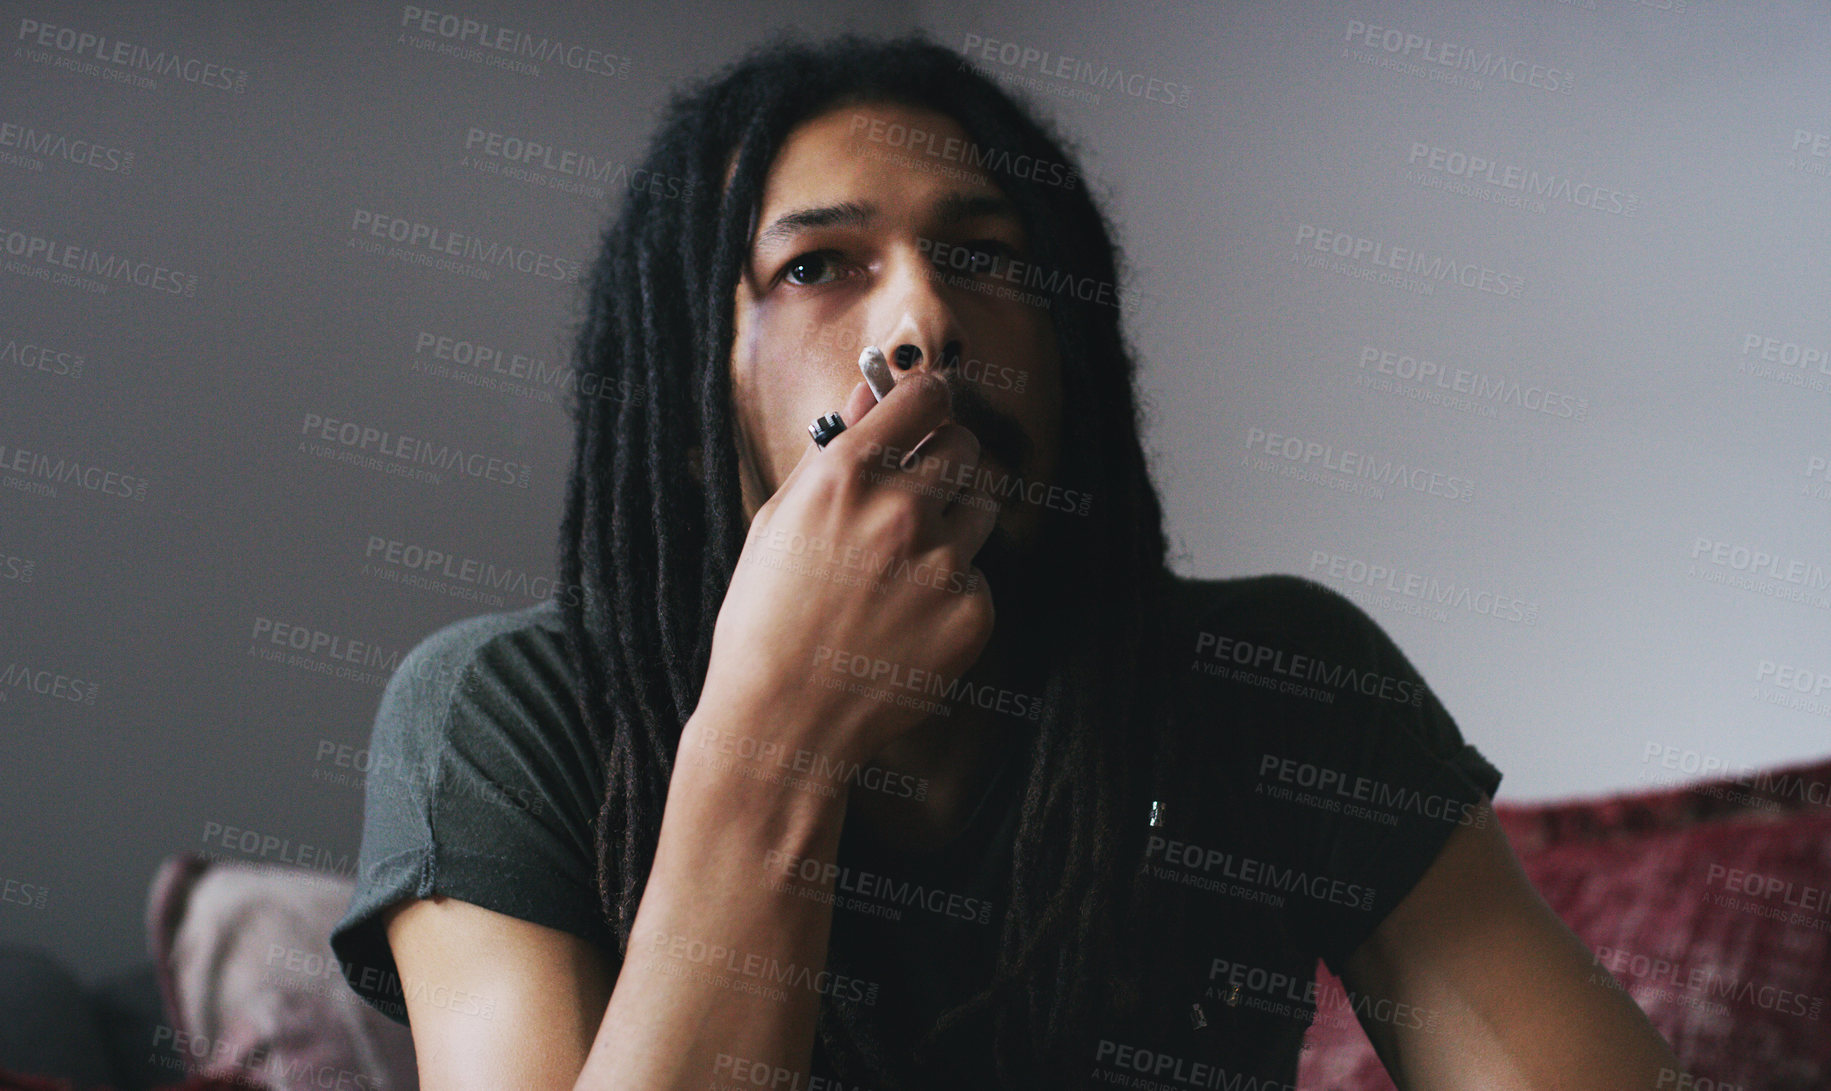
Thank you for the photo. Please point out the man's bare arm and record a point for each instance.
(722, 970)
(1510, 998)
(495, 1001)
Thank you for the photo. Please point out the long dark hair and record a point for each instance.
(652, 540)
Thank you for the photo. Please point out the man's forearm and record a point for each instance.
(723, 971)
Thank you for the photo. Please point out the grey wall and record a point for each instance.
(1677, 333)
(160, 602)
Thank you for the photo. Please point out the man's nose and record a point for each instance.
(923, 331)
(909, 354)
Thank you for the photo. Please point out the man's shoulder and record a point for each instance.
(1267, 603)
(494, 655)
(1306, 648)
(539, 626)
(482, 783)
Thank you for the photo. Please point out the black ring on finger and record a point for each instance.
(824, 428)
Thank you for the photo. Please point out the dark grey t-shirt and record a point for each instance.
(1320, 779)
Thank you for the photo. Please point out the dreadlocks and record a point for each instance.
(654, 525)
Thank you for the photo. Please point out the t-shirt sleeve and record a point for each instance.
(481, 786)
(1352, 771)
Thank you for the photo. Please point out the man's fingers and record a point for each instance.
(971, 515)
(943, 475)
(948, 455)
(858, 403)
(919, 404)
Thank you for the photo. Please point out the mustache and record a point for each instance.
(998, 433)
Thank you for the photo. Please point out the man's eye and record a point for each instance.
(811, 269)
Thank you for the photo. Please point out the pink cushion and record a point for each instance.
(1711, 904)
(251, 988)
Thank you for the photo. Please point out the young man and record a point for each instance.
(903, 760)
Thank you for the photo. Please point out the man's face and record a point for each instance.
(845, 254)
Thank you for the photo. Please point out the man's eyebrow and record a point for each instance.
(843, 214)
(966, 206)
